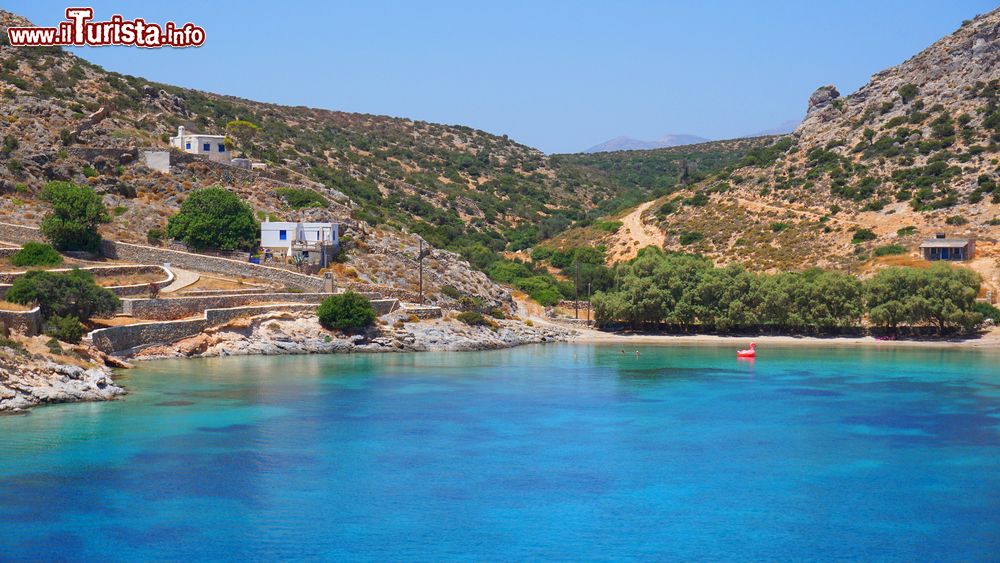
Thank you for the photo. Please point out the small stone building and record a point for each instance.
(943, 248)
(212, 146)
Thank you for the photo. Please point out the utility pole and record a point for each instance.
(588, 304)
(576, 292)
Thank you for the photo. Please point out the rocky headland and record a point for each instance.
(28, 380)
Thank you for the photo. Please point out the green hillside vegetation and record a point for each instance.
(637, 176)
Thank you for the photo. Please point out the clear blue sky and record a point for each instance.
(557, 75)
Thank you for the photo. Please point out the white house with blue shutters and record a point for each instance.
(307, 243)
(212, 146)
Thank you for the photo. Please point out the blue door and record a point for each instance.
(944, 254)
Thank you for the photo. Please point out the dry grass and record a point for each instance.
(215, 283)
(8, 306)
(133, 279)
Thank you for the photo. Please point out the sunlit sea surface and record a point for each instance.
(565, 452)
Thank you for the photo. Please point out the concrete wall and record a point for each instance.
(26, 322)
(157, 160)
(213, 264)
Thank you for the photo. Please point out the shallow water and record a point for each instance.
(543, 452)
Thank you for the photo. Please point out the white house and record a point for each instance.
(311, 243)
(212, 146)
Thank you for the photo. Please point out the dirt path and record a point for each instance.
(760, 206)
(634, 235)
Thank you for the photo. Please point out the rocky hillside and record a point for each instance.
(390, 179)
(914, 151)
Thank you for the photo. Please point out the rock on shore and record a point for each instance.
(298, 333)
(27, 381)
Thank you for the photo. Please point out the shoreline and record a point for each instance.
(987, 341)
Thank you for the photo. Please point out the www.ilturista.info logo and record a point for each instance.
(78, 30)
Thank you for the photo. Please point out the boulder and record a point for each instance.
(822, 97)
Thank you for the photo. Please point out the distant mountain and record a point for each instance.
(630, 144)
(782, 128)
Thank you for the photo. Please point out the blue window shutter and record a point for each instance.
(222, 147)
(188, 146)
(283, 234)
(207, 147)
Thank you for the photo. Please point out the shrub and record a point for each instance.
(214, 218)
(298, 198)
(987, 311)
(54, 346)
(346, 311)
(907, 92)
(608, 226)
(778, 227)
(889, 250)
(473, 318)
(862, 235)
(67, 329)
(691, 237)
(956, 220)
(907, 231)
(450, 291)
(36, 254)
(76, 213)
(155, 236)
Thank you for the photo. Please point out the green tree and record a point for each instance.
(76, 213)
(346, 311)
(946, 298)
(240, 134)
(61, 296)
(889, 297)
(214, 218)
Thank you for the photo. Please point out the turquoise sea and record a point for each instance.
(557, 452)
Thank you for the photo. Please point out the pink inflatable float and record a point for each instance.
(750, 353)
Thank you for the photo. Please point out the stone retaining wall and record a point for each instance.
(131, 338)
(423, 312)
(198, 262)
(26, 322)
(8, 252)
(180, 307)
(219, 292)
(19, 233)
(569, 304)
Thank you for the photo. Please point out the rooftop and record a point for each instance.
(944, 243)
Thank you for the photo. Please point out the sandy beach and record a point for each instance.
(986, 341)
